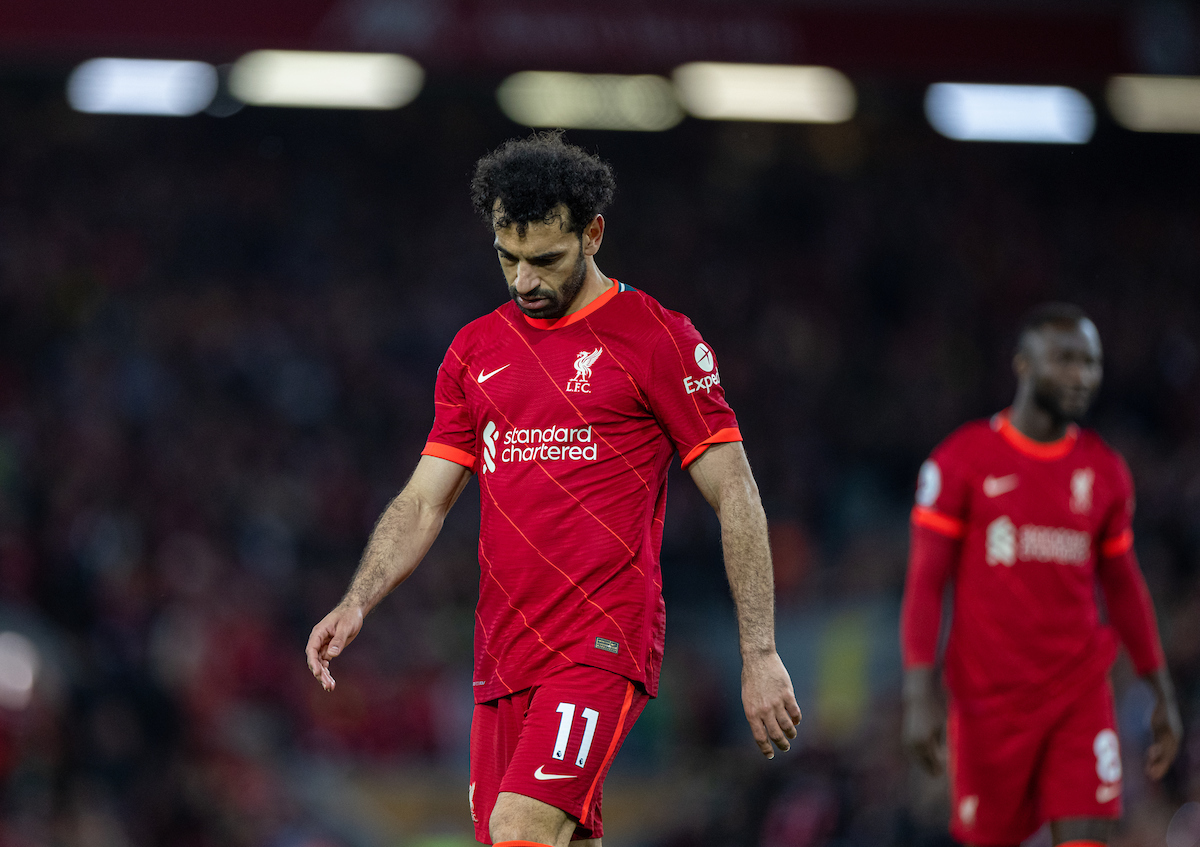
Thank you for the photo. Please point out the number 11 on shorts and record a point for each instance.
(590, 718)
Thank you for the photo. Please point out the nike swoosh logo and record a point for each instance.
(994, 486)
(539, 774)
(485, 377)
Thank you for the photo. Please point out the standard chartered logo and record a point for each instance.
(1005, 544)
(1001, 542)
(489, 447)
(537, 444)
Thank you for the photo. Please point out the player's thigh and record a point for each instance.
(1081, 771)
(993, 765)
(576, 722)
(496, 728)
(520, 818)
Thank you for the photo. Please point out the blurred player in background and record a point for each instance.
(1023, 514)
(569, 402)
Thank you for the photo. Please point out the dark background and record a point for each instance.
(218, 340)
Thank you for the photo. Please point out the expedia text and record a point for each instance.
(704, 384)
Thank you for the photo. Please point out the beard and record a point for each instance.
(557, 301)
(1060, 409)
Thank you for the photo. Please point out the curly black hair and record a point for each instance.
(532, 176)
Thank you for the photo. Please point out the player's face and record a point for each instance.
(545, 267)
(1065, 365)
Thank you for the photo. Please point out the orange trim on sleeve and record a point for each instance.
(451, 454)
(722, 436)
(1118, 545)
(567, 320)
(939, 523)
(608, 756)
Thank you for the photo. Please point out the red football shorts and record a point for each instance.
(553, 742)
(1012, 770)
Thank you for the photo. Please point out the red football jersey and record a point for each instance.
(570, 425)
(1036, 526)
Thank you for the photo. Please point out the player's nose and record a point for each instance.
(527, 280)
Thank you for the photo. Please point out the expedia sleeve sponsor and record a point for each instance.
(705, 384)
(699, 414)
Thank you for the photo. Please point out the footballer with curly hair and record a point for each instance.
(568, 402)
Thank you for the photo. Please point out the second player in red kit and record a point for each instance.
(1024, 514)
(568, 404)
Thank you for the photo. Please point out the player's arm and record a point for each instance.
(930, 557)
(935, 543)
(1131, 613)
(401, 538)
(724, 478)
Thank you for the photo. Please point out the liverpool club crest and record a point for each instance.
(583, 371)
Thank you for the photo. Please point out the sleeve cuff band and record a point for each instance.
(452, 454)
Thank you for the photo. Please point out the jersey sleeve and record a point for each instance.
(943, 491)
(938, 526)
(931, 557)
(683, 390)
(1116, 534)
(1130, 609)
(453, 433)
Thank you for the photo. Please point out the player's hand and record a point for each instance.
(923, 732)
(1167, 727)
(329, 638)
(770, 702)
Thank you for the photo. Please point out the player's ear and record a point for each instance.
(592, 235)
(1020, 363)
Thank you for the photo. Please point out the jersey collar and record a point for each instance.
(1022, 443)
(574, 317)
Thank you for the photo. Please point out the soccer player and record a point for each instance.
(568, 402)
(1024, 514)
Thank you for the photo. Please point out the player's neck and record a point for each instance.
(1036, 423)
(594, 284)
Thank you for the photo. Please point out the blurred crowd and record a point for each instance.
(218, 342)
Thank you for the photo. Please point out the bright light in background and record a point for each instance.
(141, 87)
(721, 91)
(589, 101)
(326, 80)
(1156, 103)
(1046, 114)
(18, 670)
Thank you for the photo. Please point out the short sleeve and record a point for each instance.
(943, 491)
(683, 389)
(453, 434)
(1116, 535)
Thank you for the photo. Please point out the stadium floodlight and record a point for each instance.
(326, 80)
(1041, 114)
(641, 102)
(792, 93)
(141, 87)
(1155, 103)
